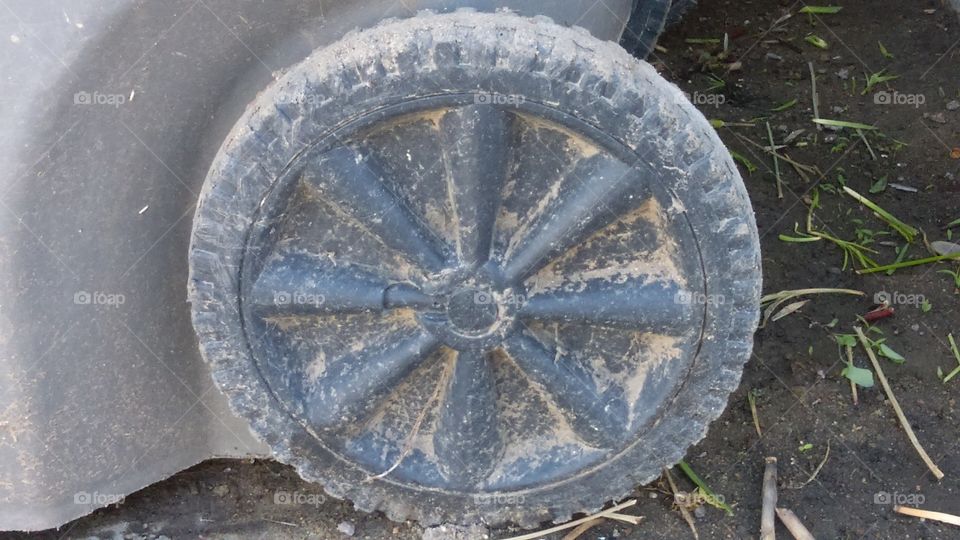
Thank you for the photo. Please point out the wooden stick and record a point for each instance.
(633, 520)
(896, 406)
(926, 514)
(794, 525)
(584, 527)
(572, 524)
(767, 515)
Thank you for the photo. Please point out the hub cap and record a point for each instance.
(471, 296)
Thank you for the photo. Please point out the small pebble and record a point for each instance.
(346, 528)
(915, 327)
(700, 512)
(844, 73)
(936, 117)
(221, 490)
(953, 105)
(774, 56)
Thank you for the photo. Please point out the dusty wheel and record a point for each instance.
(647, 21)
(679, 8)
(475, 267)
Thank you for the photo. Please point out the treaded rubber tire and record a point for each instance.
(560, 67)
(647, 21)
(678, 9)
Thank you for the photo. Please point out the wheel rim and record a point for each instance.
(500, 346)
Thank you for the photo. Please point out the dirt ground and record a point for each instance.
(803, 402)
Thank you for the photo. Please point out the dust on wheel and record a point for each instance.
(475, 267)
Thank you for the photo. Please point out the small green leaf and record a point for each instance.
(859, 376)
(925, 306)
(891, 354)
(816, 41)
(751, 168)
(884, 51)
(879, 186)
(846, 340)
(805, 447)
(821, 10)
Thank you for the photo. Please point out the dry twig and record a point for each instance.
(683, 510)
(582, 528)
(896, 406)
(767, 514)
(793, 524)
(576, 522)
(926, 514)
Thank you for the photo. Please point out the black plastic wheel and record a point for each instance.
(679, 8)
(647, 21)
(475, 267)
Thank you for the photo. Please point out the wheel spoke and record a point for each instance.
(467, 440)
(474, 140)
(354, 384)
(600, 189)
(296, 284)
(597, 418)
(653, 307)
(353, 183)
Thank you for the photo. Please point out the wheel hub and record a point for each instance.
(472, 311)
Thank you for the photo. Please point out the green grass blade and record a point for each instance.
(703, 487)
(907, 264)
(785, 106)
(908, 232)
(821, 10)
